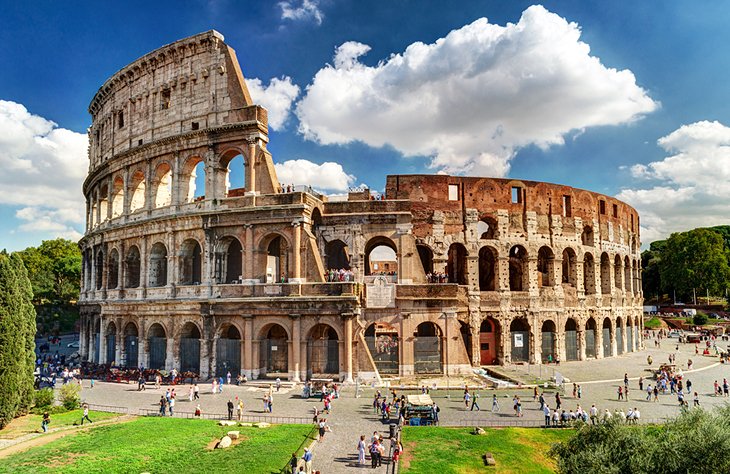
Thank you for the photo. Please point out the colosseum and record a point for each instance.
(183, 267)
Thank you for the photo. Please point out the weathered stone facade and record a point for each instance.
(488, 270)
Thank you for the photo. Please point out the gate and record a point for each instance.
(606, 342)
(111, 349)
(228, 357)
(274, 356)
(427, 355)
(619, 340)
(324, 356)
(384, 351)
(629, 339)
(548, 346)
(571, 345)
(97, 347)
(158, 352)
(130, 351)
(590, 343)
(520, 346)
(189, 355)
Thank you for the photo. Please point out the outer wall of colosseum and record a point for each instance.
(182, 269)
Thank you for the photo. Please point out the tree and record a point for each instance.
(55, 270)
(17, 339)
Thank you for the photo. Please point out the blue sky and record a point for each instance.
(624, 98)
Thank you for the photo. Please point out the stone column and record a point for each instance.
(248, 346)
(296, 321)
(347, 318)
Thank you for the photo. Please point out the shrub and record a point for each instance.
(70, 396)
(699, 319)
(44, 397)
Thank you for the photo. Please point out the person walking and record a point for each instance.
(230, 409)
(361, 446)
(46, 421)
(86, 414)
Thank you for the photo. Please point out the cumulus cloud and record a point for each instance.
(43, 169)
(277, 98)
(690, 187)
(328, 176)
(301, 10)
(470, 100)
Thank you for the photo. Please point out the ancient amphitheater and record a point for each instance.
(184, 269)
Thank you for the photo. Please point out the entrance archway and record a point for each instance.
(228, 351)
(274, 352)
(190, 348)
(323, 351)
(157, 346)
(549, 341)
(427, 349)
(488, 337)
(520, 336)
(382, 341)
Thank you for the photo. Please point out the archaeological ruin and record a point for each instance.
(184, 267)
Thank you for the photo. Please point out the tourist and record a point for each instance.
(47, 420)
(307, 458)
(361, 450)
(86, 414)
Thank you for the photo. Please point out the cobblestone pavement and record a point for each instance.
(352, 417)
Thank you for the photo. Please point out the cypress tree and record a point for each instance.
(17, 339)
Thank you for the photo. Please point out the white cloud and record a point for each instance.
(305, 10)
(328, 176)
(471, 99)
(691, 186)
(43, 169)
(277, 98)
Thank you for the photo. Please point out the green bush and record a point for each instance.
(44, 397)
(70, 396)
(699, 319)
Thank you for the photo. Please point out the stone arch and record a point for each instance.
(111, 343)
(99, 267)
(545, 267)
(157, 346)
(488, 269)
(132, 262)
(607, 330)
(338, 255)
(589, 274)
(487, 228)
(518, 269)
(456, 264)
(605, 274)
(570, 267)
(192, 175)
(275, 249)
(591, 339)
(519, 330)
(157, 273)
(587, 237)
(490, 333)
(229, 260)
(549, 341)
(323, 354)
(137, 186)
(117, 196)
(274, 346)
(425, 254)
(571, 339)
(190, 336)
(427, 349)
(228, 350)
(162, 185)
(381, 256)
(131, 345)
(112, 277)
(191, 262)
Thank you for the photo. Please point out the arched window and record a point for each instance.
(190, 263)
(158, 265)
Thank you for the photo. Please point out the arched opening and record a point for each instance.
(99, 269)
(133, 267)
(111, 343)
(162, 186)
(571, 339)
(518, 275)
(629, 335)
(190, 262)
(382, 342)
(381, 257)
(587, 236)
(487, 269)
(112, 277)
(617, 272)
(487, 228)
(570, 269)
(338, 255)
(104, 203)
(192, 179)
(456, 264)
(425, 254)
(545, 267)
(607, 330)
(627, 276)
(605, 274)
(228, 351)
(591, 338)
(158, 265)
(277, 260)
(235, 176)
(427, 349)
(465, 331)
(619, 336)
(488, 337)
(131, 345)
(229, 261)
(549, 343)
(118, 197)
(190, 348)
(589, 274)
(520, 335)
(138, 187)
(274, 352)
(157, 346)
(323, 351)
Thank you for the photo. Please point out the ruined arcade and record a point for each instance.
(182, 269)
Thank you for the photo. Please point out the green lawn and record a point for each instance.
(457, 451)
(160, 445)
(32, 423)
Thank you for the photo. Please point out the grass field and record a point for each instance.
(161, 445)
(457, 451)
(32, 423)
